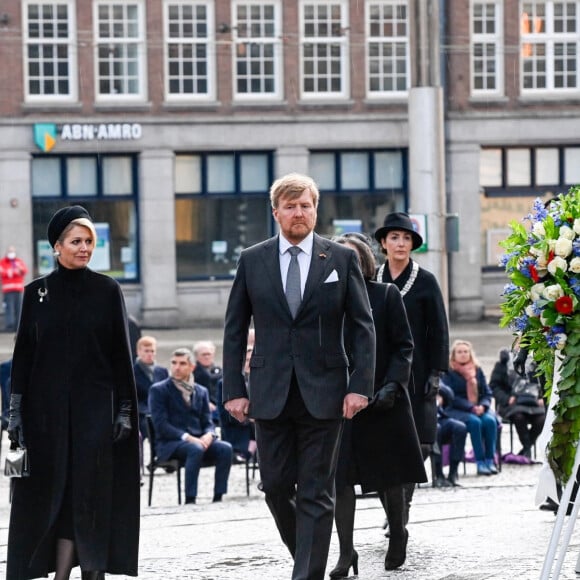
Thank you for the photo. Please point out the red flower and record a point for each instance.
(564, 305)
(534, 273)
(551, 255)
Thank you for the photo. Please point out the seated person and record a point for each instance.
(184, 428)
(526, 408)
(501, 381)
(207, 373)
(146, 373)
(236, 433)
(449, 432)
(472, 404)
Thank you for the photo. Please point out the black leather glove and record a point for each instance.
(15, 421)
(520, 362)
(122, 427)
(386, 396)
(432, 386)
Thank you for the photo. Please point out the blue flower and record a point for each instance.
(539, 211)
(575, 285)
(520, 323)
(576, 247)
(536, 308)
(509, 288)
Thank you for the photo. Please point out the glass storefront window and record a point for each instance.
(187, 174)
(220, 174)
(96, 183)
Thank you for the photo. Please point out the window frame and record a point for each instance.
(496, 39)
(278, 52)
(140, 43)
(343, 41)
(369, 39)
(210, 43)
(549, 39)
(71, 42)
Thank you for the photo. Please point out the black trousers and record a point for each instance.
(298, 455)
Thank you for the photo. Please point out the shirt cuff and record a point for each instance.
(184, 436)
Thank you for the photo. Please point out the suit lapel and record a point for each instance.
(320, 266)
(272, 262)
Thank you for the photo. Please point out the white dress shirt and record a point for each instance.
(304, 259)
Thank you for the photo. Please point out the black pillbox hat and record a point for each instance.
(62, 218)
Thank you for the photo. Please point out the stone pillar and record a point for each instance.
(157, 217)
(466, 300)
(16, 205)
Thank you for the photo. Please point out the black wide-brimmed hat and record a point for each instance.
(399, 221)
(62, 218)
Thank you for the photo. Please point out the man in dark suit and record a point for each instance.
(298, 288)
(184, 429)
(146, 373)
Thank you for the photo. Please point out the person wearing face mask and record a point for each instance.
(73, 405)
(12, 272)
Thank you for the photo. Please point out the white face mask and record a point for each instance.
(11, 255)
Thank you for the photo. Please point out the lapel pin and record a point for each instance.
(323, 256)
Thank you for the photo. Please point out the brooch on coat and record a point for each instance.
(42, 292)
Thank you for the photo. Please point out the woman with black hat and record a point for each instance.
(427, 319)
(73, 406)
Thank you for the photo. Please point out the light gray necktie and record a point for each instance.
(293, 294)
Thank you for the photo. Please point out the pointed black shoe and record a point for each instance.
(340, 571)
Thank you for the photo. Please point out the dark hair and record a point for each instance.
(359, 236)
(364, 253)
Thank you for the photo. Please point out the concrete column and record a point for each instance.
(427, 176)
(157, 217)
(466, 300)
(15, 205)
(291, 159)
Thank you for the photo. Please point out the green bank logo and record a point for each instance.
(45, 136)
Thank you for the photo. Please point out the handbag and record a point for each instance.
(17, 463)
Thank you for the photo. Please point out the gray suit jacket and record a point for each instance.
(311, 344)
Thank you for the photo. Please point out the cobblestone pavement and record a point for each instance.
(487, 529)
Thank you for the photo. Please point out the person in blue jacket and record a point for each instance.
(184, 428)
(472, 404)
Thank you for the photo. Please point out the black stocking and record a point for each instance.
(344, 518)
(65, 558)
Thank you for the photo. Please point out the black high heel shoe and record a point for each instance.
(342, 572)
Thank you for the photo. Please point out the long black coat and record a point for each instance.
(428, 322)
(72, 363)
(381, 448)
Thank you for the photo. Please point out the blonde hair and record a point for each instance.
(459, 342)
(84, 222)
(147, 341)
(292, 186)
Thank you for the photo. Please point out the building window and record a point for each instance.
(529, 171)
(257, 49)
(358, 188)
(120, 50)
(486, 47)
(189, 50)
(324, 49)
(107, 186)
(221, 207)
(549, 46)
(387, 23)
(49, 50)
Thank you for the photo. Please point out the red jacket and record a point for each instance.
(12, 274)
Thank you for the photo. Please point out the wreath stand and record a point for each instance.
(550, 560)
(552, 565)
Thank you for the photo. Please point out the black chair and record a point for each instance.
(251, 465)
(170, 465)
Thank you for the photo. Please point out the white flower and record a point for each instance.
(538, 229)
(536, 291)
(577, 226)
(567, 232)
(542, 262)
(575, 265)
(556, 263)
(563, 247)
(551, 245)
(561, 339)
(554, 291)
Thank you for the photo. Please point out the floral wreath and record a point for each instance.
(541, 304)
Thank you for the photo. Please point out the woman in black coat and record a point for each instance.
(380, 449)
(73, 405)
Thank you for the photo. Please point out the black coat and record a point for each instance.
(385, 448)
(72, 364)
(428, 322)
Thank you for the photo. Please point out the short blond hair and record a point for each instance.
(292, 186)
(145, 341)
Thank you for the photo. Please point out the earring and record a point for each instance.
(56, 254)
